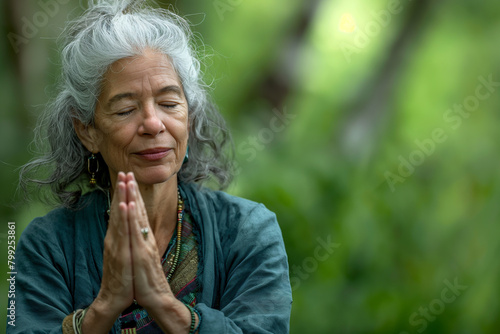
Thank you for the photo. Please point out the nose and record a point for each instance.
(151, 124)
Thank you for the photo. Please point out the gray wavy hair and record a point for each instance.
(106, 32)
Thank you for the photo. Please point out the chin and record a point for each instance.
(155, 176)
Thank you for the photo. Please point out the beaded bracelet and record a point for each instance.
(193, 319)
(78, 320)
(193, 311)
(199, 320)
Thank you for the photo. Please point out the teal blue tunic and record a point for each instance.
(245, 286)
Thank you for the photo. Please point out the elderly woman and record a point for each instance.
(138, 245)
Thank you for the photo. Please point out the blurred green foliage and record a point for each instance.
(357, 163)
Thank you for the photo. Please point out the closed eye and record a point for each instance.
(169, 105)
(125, 112)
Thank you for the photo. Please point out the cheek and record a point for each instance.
(115, 140)
(179, 130)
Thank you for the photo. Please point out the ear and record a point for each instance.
(87, 135)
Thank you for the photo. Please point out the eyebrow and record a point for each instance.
(171, 89)
(167, 89)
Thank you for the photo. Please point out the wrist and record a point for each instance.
(162, 304)
(99, 318)
(104, 308)
(172, 315)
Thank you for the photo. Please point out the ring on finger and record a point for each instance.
(145, 232)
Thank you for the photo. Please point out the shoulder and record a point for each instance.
(233, 216)
(59, 224)
(225, 206)
(57, 221)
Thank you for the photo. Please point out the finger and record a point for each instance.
(144, 251)
(117, 261)
(140, 217)
(131, 192)
(141, 207)
(134, 228)
(137, 248)
(122, 178)
(118, 230)
(130, 177)
(123, 229)
(130, 181)
(118, 226)
(119, 194)
(122, 192)
(136, 236)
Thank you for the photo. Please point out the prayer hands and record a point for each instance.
(131, 263)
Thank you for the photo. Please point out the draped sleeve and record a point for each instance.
(43, 294)
(246, 286)
(59, 266)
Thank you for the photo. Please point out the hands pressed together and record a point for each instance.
(132, 268)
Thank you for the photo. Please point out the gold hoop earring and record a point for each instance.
(92, 168)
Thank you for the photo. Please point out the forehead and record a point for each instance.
(148, 70)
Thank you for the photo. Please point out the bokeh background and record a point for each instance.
(369, 127)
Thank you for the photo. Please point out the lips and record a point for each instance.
(153, 153)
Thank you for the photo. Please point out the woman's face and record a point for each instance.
(141, 120)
